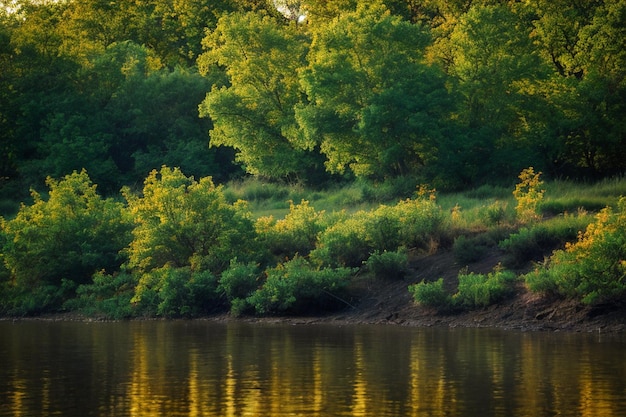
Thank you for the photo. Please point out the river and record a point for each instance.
(203, 368)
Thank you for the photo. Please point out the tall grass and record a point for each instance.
(470, 211)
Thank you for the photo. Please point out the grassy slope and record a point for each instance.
(486, 214)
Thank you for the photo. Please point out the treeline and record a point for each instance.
(450, 92)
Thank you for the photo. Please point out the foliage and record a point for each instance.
(67, 237)
(421, 220)
(254, 111)
(343, 243)
(528, 194)
(431, 295)
(593, 268)
(480, 290)
(489, 56)
(382, 229)
(374, 103)
(388, 264)
(182, 222)
(534, 242)
(109, 296)
(295, 234)
(378, 95)
(412, 223)
(237, 283)
(296, 286)
(176, 292)
(474, 291)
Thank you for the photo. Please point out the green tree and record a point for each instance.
(181, 222)
(494, 68)
(375, 106)
(66, 238)
(185, 232)
(254, 112)
(584, 43)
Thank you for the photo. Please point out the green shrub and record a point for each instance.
(382, 229)
(239, 281)
(181, 222)
(108, 296)
(177, 292)
(388, 265)
(69, 236)
(344, 243)
(431, 294)
(295, 234)
(495, 213)
(543, 280)
(20, 301)
(421, 221)
(534, 242)
(480, 290)
(412, 223)
(593, 269)
(296, 287)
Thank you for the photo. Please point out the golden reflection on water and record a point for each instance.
(360, 395)
(195, 369)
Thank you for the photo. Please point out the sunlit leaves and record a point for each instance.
(254, 113)
(528, 194)
(69, 235)
(591, 269)
(374, 104)
(181, 222)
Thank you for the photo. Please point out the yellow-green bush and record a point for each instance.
(482, 290)
(388, 264)
(295, 234)
(593, 269)
(64, 238)
(343, 243)
(431, 294)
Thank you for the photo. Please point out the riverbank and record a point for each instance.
(388, 302)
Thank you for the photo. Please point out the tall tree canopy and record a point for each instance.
(375, 105)
(452, 90)
(254, 111)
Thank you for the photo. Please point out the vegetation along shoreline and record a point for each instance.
(431, 162)
(514, 260)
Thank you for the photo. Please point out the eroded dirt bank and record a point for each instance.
(388, 302)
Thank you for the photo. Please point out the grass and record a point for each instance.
(273, 199)
(475, 209)
(476, 221)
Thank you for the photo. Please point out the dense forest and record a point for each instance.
(455, 92)
(450, 93)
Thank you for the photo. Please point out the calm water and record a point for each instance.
(185, 368)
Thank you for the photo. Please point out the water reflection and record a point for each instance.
(206, 369)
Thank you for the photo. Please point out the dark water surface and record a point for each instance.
(199, 368)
